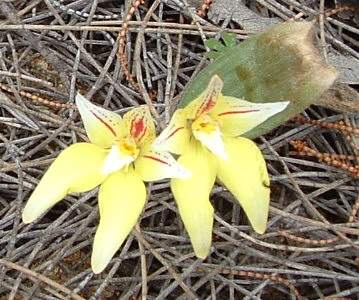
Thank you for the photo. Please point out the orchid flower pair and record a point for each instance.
(124, 152)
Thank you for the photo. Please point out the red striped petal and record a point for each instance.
(139, 125)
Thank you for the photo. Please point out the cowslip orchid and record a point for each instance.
(119, 158)
(206, 135)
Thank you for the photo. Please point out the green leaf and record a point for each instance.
(217, 48)
(280, 64)
(214, 45)
(213, 54)
(229, 39)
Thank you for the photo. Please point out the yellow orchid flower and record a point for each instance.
(206, 135)
(119, 158)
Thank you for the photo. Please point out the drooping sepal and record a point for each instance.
(245, 175)
(121, 199)
(192, 197)
(76, 169)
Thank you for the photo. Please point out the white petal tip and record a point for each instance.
(202, 254)
(99, 262)
(260, 230)
(216, 82)
(280, 106)
(97, 269)
(28, 217)
(285, 104)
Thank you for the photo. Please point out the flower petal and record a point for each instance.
(238, 116)
(245, 176)
(153, 165)
(210, 138)
(175, 137)
(139, 125)
(207, 100)
(116, 160)
(121, 199)
(102, 126)
(76, 169)
(192, 197)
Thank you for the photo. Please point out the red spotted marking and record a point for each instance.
(104, 123)
(237, 112)
(209, 102)
(174, 132)
(157, 159)
(138, 128)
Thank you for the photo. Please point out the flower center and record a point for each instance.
(122, 153)
(128, 147)
(207, 131)
(205, 124)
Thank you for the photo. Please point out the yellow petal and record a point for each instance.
(237, 116)
(121, 200)
(245, 176)
(192, 197)
(139, 125)
(175, 137)
(121, 155)
(153, 165)
(208, 133)
(102, 126)
(76, 169)
(206, 101)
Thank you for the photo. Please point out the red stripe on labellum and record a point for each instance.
(209, 102)
(174, 132)
(104, 123)
(143, 134)
(237, 112)
(206, 106)
(138, 128)
(157, 159)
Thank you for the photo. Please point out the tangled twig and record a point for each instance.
(327, 13)
(202, 11)
(37, 99)
(340, 126)
(257, 275)
(334, 160)
(122, 36)
(36, 276)
(302, 240)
